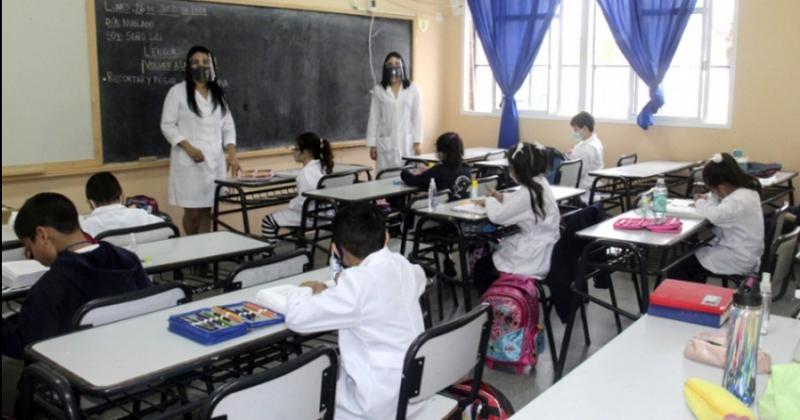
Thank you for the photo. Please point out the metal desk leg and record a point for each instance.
(465, 274)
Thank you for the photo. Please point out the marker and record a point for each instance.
(219, 310)
(260, 310)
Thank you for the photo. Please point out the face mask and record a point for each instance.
(201, 74)
(577, 136)
(396, 73)
(340, 257)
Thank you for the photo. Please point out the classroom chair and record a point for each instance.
(695, 177)
(139, 234)
(568, 173)
(595, 257)
(303, 388)
(318, 215)
(487, 184)
(269, 269)
(781, 259)
(500, 154)
(442, 356)
(110, 309)
(629, 159)
(391, 172)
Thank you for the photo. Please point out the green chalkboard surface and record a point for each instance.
(284, 71)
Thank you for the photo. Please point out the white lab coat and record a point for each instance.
(738, 229)
(528, 252)
(116, 216)
(375, 307)
(395, 124)
(191, 185)
(306, 180)
(590, 151)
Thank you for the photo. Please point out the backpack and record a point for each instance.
(148, 204)
(491, 404)
(515, 336)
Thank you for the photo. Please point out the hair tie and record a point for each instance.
(717, 158)
(538, 145)
(517, 150)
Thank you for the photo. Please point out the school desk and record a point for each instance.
(778, 186)
(467, 230)
(139, 355)
(185, 251)
(471, 154)
(641, 372)
(10, 239)
(256, 194)
(609, 180)
(669, 245)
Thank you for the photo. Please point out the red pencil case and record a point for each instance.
(670, 224)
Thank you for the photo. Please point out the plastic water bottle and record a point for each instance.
(473, 190)
(660, 201)
(645, 203)
(432, 198)
(743, 334)
(766, 299)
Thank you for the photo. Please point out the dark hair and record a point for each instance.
(386, 79)
(583, 119)
(528, 163)
(728, 172)
(319, 148)
(359, 228)
(46, 210)
(217, 93)
(450, 145)
(103, 188)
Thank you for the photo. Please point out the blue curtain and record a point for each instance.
(511, 32)
(648, 33)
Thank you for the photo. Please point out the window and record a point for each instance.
(580, 67)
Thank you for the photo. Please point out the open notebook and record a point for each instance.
(275, 297)
(681, 207)
(470, 207)
(23, 273)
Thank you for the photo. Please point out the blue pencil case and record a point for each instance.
(205, 327)
(255, 315)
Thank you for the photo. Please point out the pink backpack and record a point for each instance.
(515, 323)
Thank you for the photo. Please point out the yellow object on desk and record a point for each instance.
(709, 401)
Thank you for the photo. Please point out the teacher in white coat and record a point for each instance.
(394, 129)
(196, 120)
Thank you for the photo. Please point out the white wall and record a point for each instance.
(46, 96)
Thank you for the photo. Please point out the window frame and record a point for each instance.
(584, 69)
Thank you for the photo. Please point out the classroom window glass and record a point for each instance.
(579, 67)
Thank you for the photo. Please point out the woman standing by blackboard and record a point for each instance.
(197, 122)
(394, 129)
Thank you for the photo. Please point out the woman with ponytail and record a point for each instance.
(315, 153)
(533, 209)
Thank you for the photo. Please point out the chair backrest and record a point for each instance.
(782, 255)
(626, 160)
(303, 388)
(443, 355)
(140, 234)
(127, 305)
(391, 172)
(775, 225)
(337, 179)
(269, 269)
(500, 154)
(568, 173)
(695, 176)
(487, 184)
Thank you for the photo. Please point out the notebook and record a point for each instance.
(697, 303)
(681, 207)
(470, 208)
(275, 297)
(21, 274)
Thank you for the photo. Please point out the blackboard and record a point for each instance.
(284, 71)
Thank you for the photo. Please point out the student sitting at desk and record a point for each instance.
(589, 149)
(734, 208)
(375, 307)
(105, 197)
(533, 209)
(447, 174)
(47, 225)
(316, 155)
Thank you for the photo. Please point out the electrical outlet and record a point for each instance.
(372, 5)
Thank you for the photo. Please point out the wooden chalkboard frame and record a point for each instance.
(87, 166)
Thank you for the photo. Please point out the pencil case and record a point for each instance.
(670, 224)
(205, 327)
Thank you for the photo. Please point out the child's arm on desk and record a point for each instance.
(331, 309)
